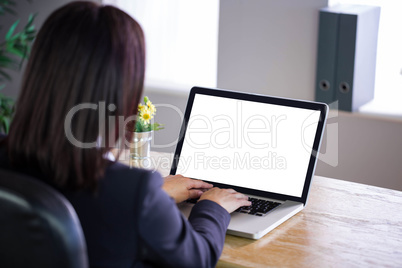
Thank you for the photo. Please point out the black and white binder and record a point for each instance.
(346, 67)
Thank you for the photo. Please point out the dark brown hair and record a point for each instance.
(84, 54)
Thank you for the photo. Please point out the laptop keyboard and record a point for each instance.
(259, 207)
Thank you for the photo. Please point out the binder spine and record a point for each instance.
(327, 57)
(345, 68)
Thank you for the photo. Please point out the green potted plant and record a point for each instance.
(14, 49)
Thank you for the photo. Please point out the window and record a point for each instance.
(388, 85)
(181, 40)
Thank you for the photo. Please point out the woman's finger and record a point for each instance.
(194, 194)
(199, 184)
(230, 191)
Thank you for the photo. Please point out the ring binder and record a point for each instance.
(346, 60)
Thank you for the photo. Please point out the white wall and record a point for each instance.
(362, 148)
(269, 46)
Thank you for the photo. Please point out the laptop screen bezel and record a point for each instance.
(313, 106)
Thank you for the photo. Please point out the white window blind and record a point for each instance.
(181, 40)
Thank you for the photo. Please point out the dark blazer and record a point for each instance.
(131, 222)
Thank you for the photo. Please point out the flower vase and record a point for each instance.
(140, 149)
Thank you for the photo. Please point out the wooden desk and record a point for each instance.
(344, 224)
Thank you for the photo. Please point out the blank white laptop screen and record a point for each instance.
(249, 144)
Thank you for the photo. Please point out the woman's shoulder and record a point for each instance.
(122, 176)
(117, 169)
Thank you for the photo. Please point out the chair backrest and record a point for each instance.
(38, 225)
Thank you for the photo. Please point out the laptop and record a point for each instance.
(262, 146)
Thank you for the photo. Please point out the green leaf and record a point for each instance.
(5, 124)
(23, 37)
(19, 46)
(7, 3)
(157, 126)
(4, 10)
(13, 65)
(11, 30)
(30, 29)
(2, 125)
(7, 105)
(6, 112)
(138, 126)
(31, 19)
(12, 39)
(5, 61)
(16, 52)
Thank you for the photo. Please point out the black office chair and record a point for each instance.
(38, 225)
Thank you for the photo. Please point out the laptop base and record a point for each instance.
(251, 226)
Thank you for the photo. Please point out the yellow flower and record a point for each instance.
(151, 107)
(145, 114)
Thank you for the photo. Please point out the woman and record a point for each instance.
(86, 57)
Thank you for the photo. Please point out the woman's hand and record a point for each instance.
(229, 199)
(181, 188)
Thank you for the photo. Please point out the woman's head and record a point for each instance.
(86, 70)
